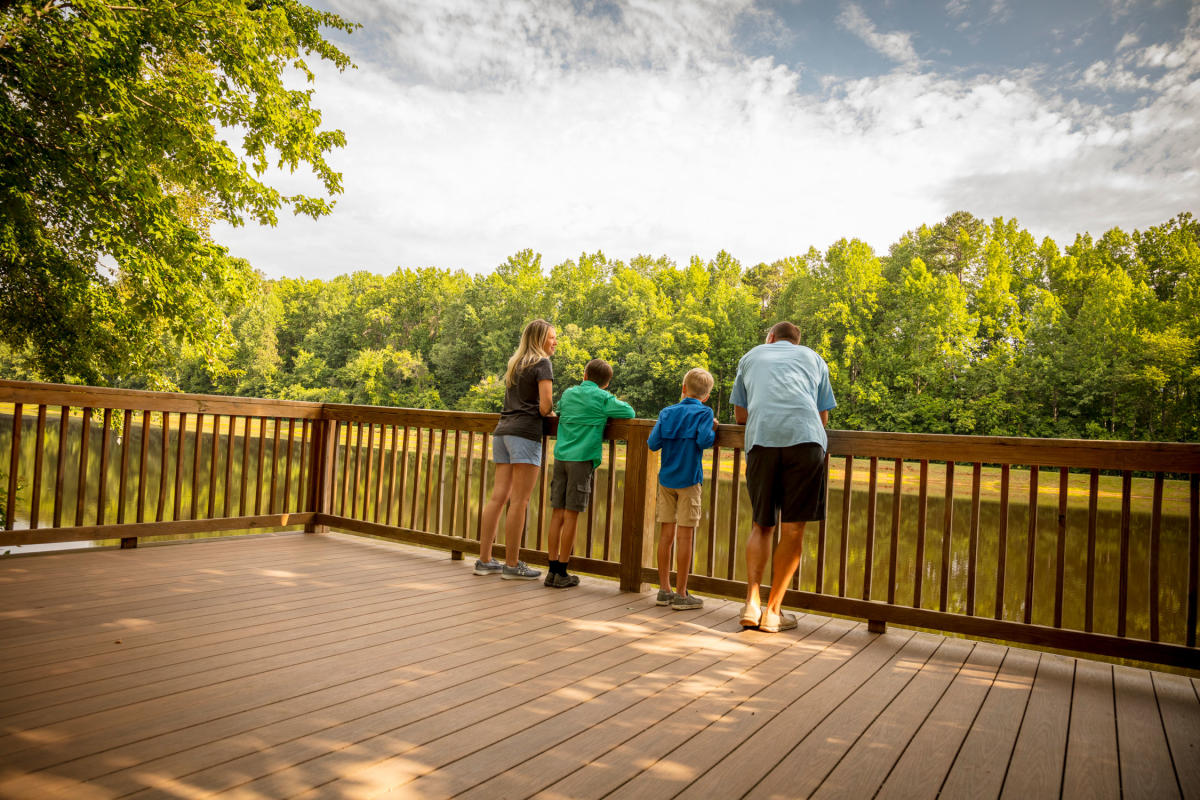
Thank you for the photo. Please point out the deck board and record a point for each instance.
(334, 666)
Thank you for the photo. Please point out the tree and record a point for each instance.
(112, 165)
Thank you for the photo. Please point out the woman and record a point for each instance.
(517, 449)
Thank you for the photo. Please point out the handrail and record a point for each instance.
(125, 464)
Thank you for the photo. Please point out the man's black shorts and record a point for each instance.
(786, 483)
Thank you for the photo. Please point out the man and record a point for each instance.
(783, 397)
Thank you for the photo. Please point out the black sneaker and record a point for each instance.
(562, 581)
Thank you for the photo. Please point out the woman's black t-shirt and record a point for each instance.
(522, 414)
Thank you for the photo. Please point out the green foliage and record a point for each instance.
(112, 166)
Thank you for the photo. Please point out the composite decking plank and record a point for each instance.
(682, 656)
(495, 654)
(866, 765)
(1036, 766)
(981, 762)
(1091, 768)
(669, 775)
(736, 771)
(599, 777)
(930, 752)
(1145, 766)
(332, 665)
(386, 752)
(819, 749)
(1180, 711)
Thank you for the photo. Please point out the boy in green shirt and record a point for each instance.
(583, 411)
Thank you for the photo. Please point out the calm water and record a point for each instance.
(1173, 543)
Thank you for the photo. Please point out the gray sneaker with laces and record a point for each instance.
(665, 596)
(488, 567)
(686, 602)
(521, 572)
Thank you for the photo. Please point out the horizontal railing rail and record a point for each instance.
(1080, 545)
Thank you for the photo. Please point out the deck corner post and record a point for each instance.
(456, 555)
(321, 488)
(637, 518)
(876, 626)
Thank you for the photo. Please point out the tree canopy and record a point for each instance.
(114, 161)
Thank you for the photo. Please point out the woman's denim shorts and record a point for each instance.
(516, 450)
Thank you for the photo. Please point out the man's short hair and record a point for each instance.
(785, 332)
(598, 372)
(698, 382)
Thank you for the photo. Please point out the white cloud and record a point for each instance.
(897, 45)
(690, 147)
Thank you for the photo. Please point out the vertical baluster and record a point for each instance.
(276, 424)
(178, 498)
(1031, 551)
(164, 453)
(919, 557)
(897, 493)
(947, 530)
(227, 506)
(819, 587)
(1123, 586)
(354, 484)
(85, 441)
(126, 426)
(214, 446)
(869, 552)
(591, 519)
(844, 555)
(60, 463)
(143, 454)
(1090, 588)
(483, 471)
(39, 446)
(416, 481)
(1155, 533)
(196, 465)
(713, 494)
(1193, 592)
(973, 541)
(379, 473)
(245, 468)
(611, 498)
(258, 473)
(1002, 541)
(403, 490)
(102, 489)
(441, 482)
(1061, 555)
(466, 495)
(734, 501)
(542, 490)
(14, 467)
(366, 484)
(428, 480)
(303, 478)
(391, 493)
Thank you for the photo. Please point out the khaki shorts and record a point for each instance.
(680, 506)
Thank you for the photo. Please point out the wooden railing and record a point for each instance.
(121, 465)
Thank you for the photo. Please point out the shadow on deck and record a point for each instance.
(298, 665)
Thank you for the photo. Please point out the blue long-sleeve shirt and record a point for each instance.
(682, 432)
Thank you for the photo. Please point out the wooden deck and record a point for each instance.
(326, 665)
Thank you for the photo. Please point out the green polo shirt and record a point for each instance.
(583, 411)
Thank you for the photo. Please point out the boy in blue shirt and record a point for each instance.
(683, 431)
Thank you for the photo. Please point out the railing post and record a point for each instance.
(637, 521)
(321, 485)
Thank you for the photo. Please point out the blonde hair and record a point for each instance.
(698, 383)
(531, 350)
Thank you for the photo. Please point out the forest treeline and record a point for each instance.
(962, 327)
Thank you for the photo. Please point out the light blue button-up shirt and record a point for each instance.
(783, 387)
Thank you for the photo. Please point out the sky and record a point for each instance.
(679, 128)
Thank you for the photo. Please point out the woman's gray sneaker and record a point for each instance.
(521, 572)
(686, 602)
(665, 596)
(488, 567)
